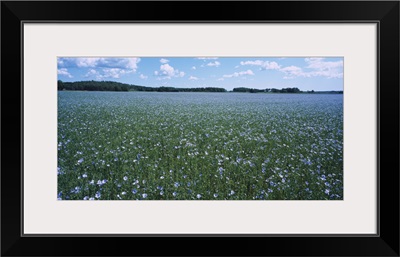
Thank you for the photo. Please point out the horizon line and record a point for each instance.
(328, 90)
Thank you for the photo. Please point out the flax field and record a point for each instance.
(199, 146)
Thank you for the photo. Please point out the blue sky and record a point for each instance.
(312, 73)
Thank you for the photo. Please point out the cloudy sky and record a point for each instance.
(317, 74)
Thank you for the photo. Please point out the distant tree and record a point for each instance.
(60, 85)
(117, 86)
(248, 90)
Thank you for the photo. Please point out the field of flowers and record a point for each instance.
(199, 146)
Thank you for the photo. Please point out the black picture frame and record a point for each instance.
(383, 13)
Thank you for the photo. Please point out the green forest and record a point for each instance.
(117, 86)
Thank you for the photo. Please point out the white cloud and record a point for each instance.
(131, 63)
(106, 73)
(143, 76)
(193, 78)
(91, 72)
(214, 64)
(220, 79)
(167, 72)
(316, 67)
(64, 72)
(128, 64)
(112, 73)
(257, 63)
(238, 74)
(314, 61)
(207, 58)
(194, 67)
(328, 69)
(87, 62)
(271, 66)
(292, 71)
(164, 60)
(264, 65)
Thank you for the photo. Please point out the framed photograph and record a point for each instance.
(256, 128)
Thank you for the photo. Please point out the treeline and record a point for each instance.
(116, 86)
(293, 90)
(267, 90)
(326, 92)
(93, 86)
(176, 89)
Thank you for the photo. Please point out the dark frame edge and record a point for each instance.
(389, 45)
(10, 19)
(22, 126)
(387, 239)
